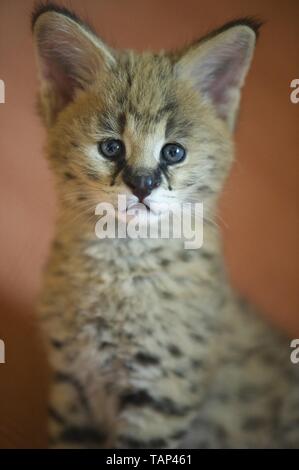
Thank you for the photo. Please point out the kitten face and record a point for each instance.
(153, 127)
(136, 106)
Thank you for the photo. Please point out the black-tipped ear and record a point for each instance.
(218, 64)
(69, 56)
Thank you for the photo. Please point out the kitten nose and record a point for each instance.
(141, 186)
(141, 183)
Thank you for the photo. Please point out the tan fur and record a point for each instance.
(146, 338)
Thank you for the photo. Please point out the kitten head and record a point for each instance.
(154, 127)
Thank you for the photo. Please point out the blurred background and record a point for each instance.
(258, 212)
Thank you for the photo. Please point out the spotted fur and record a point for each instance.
(149, 345)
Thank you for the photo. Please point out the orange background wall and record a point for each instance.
(259, 208)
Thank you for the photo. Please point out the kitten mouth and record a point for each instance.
(148, 210)
(144, 211)
(139, 206)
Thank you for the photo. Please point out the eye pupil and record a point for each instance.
(111, 148)
(173, 153)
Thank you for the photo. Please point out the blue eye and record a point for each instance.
(172, 154)
(112, 148)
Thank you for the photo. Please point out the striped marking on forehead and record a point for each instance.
(147, 119)
(176, 124)
(144, 91)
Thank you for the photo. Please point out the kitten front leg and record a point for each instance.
(158, 408)
(73, 423)
(70, 423)
(86, 413)
(80, 412)
(137, 378)
(137, 407)
(146, 428)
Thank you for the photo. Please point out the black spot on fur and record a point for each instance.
(204, 189)
(122, 122)
(81, 198)
(57, 344)
(57, 244)
(135, 443)
(196, 363)
(206, 254)
(167, 295)
(197, 337)
(254, 423)
(69, 176)
(147, 359)
(92, 176)
(185, 256)
(163, 405)
(129, 79)
(179, 373)
(179, 434)
(55, 415)
(82, 435)
(165, 262)
(62, 377)
(174, 350)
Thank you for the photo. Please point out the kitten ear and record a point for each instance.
(217, 66)
(69, 57)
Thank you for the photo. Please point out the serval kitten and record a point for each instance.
(149, 345)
